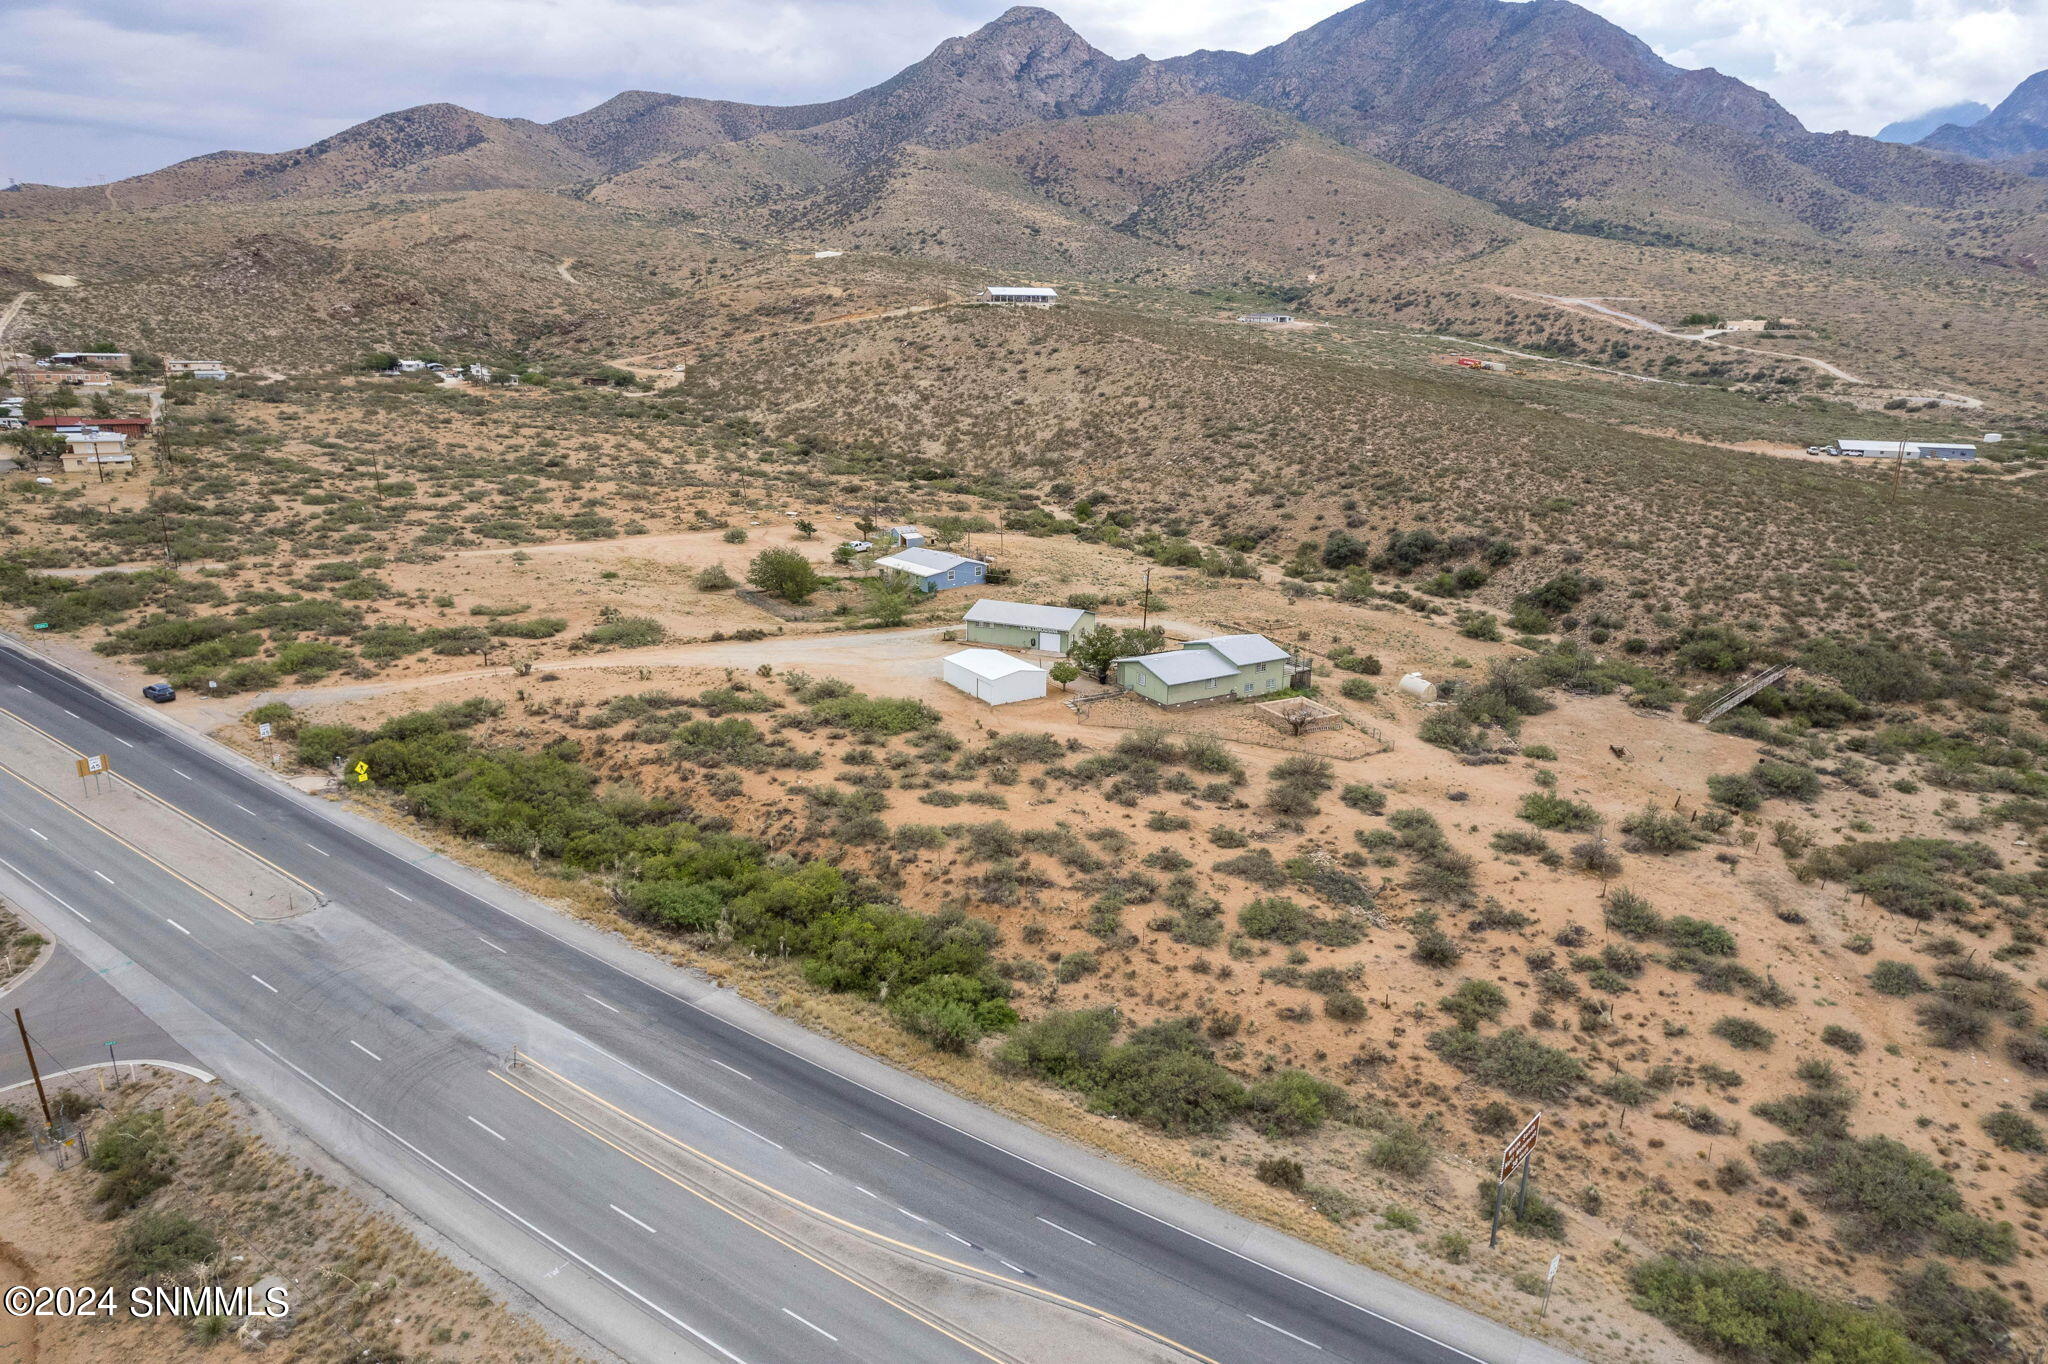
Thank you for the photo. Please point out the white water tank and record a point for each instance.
(1419, 687)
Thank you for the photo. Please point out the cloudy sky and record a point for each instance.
(91, 90)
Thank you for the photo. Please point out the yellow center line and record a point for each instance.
(856, 1227)
(174, 809)
(153, 861)
(758, 1226)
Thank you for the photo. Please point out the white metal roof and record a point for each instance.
(1244, 650)
(1026, 614)
(1895, 447)
(93, 436)
(1023, 291)
(990, 664)
(923, 562)
(1182, 665)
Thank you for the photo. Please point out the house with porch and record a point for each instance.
(1241, 666)
(932, 570)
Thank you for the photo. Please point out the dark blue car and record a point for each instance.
(160, 692)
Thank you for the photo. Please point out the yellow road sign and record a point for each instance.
(362, 771)
(93, 764)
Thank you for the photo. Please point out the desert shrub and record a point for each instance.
(157, 1245)
(1654, 831)
(1510, 1060)
(1744, 1034)
(1790, 780)
(1367, 799)
(1547, 811)
(2029, 1051)
(876, 716)
(1401, 1149)
(1282, 1172)
(1751, 1314)
(1257, 866)
(132, 1155)
(2014, 1131)
(538, 627)
(626, 632)
(1357, 689)
(1697, 935)
(1164, 1076)
(1841, 1038)
(1734, 790)
(714, 578)
(1433, 946)
(1292, 1103)
(1274, 918)
(1537, 1215)
(1344, 1007)
(952, 1012)
(1952, 1024)
(1630, 915)
(1474, 1002)
(1950, 1320)
(1897, 978)
(1448, 729)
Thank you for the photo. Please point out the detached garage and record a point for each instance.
(996, 678)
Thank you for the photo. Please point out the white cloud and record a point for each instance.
(170, 81)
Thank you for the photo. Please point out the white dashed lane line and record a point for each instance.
(40, 834)
(180, 927)
(103, 876)
(493, 946)
(1284, 1331)
(1075, 1234)
(264, 983)
(318, 849)
(400, 894)
(181, 772)
(897, 1149)
(488, 1128)
(600, 1003)
(364, 1050)
(813, 1325)
(630, 1218)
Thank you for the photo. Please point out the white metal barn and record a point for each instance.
(994, 677)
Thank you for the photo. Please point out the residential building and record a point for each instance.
(132, 427)
(90, 450)
(1262, 665)
(1178, 677)
(1209, 670)
(1005, 293)
(1269, 318)
(53, 378)
(996, 678)
(196, 369)
(1745, 324)
(1025, 625)
(932, 570)
(103, 359)
(1907, 449)
(908, 537)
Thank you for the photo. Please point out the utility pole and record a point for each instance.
(1145, 611)
(35, 1072)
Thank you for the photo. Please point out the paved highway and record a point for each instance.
(674, 1172)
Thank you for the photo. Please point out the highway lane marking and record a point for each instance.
(813, 1325)
(40, 834)
(819, 1168)
(493, 946)
(892, 1100)
(856, 1228)
(317, 848)
(897, 1149)
(634, 1220)
(180, 927)
(487, 1127)
(1014, 1269)
(103, 876)
(123, 742)
(1057, 1227)
(734, 1121)
(743, 1218)
(613, 1280)
(869, 1192)
(39, 886)
(400, 894)
(177, 810)
(911, 1215)
(961, 1239)
(734, 1069)
(264, 983)
(365, 1051)
(1284, 1331)
(70, 712)
(153, 861)
(183, 773)
(601, 1004)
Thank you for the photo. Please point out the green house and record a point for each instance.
(1025, 625)
(1242, 666)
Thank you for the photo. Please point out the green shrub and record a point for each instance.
(157, 1245)
(1357, 689)
(1475, 1002)
(1754, 1314)
(1744, 1034)
(1654, 831)
(1275, 918)
(1630, 915)
(1537, 1215)
(1547, 811)
(1841, 1038)
(1367, 799)
(1401, 1149)
(1282, 1172)
(1734, 790)
(1952, 1321)
(539, 627)
(1697, 935)
(627, 632)
(1511, 1060)
(2014, 1131)
(1292, 1103)
(1897, 978)
(132, 1155)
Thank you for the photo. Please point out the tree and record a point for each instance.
(35, 442)
(1094, 650)
(378, 360)
(805, 530)
(1063, 672)
(100, 406)
(784, 573)
(61, 399)
(889, 601)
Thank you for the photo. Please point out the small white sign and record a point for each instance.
(1555, 1261)
(263, 730)
(96, 763)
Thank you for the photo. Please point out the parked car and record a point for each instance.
(160, 692)
(860, 546)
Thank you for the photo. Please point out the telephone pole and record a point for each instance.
(35, 1072)
(1145, 611)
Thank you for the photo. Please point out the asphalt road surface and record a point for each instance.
(674, 1172)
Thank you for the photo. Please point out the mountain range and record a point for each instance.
(1542, 108)
(2016, 130)
(1913, 129)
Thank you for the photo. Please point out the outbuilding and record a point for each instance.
(1006, 293)
(1268, 319)
(996, 678)
(932, 570)
(908, 537)
(1026, 625)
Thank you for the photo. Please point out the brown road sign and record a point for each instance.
(95, 764)
(1518, 1150)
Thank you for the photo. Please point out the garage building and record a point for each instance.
(996, 678)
